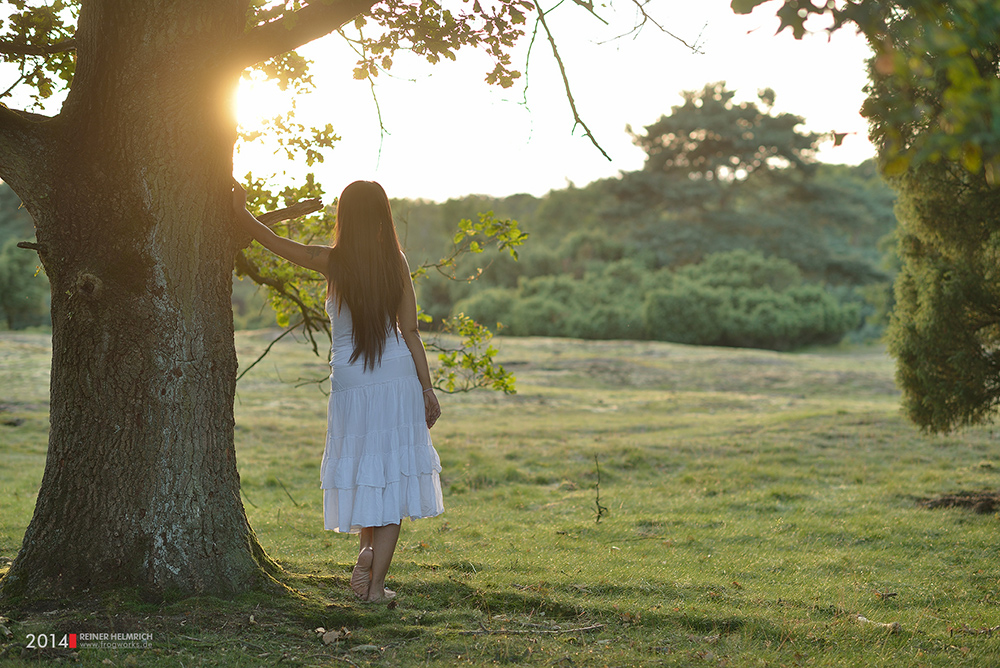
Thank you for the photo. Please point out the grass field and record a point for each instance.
(758, 507)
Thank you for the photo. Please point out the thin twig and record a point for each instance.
(371, 82)
(13, 85)
(245, 266)
(11, 49)
(310, 317)
(589, 6)
(268, 349)
(601, 510)
(321, 381)
(985, 631)
(646, 18)
(247, 497)
(342, 658)
(569, 93)
(286, 492)
(498, 632)
(381, 126)
(527, 63)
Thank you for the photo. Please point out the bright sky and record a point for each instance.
(450, 134)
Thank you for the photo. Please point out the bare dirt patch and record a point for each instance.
(980, 502)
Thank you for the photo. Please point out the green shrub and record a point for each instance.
(687, 312)
(743, 269)
(712, 313)
(24, 289)
(737, 299)
(619, 320)
(488, 307)
(540, 315)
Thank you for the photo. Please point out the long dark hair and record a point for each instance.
(367, 268)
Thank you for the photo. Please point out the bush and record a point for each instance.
(738, 299)
(24, 289)
(687, 312)
(541, 316)
(488, 307)
(743, 269)
(712, 313)
(619, 320)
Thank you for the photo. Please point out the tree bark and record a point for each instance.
(140, 487)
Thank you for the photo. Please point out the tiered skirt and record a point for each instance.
(379, 465)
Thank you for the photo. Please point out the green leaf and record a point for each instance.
(745, 6)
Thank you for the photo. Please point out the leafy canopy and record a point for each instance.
(938, 59)
(712, 137)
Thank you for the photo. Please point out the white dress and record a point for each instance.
(379, 465)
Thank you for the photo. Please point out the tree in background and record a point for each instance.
(933, 104)
(721, 175)
(711, 137)
(23, 295)
(24, 291)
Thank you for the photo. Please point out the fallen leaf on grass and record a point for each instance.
(366, 648)
(330, 637)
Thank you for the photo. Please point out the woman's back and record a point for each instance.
(342, 334)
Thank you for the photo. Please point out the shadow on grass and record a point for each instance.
(443, 609)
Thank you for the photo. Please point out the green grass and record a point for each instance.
(757, 504)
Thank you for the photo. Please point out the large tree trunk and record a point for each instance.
(140, 486)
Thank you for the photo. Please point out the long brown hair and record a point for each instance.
(366, 267)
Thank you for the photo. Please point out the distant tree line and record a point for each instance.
(732, 234)
(24, 290)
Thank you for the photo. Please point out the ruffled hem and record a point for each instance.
(415, 497)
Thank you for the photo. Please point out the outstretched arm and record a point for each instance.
(410, 329)
(311, 257)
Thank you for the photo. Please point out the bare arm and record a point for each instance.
(311, 257)
(410, 329)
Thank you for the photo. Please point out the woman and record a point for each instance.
(379, 464)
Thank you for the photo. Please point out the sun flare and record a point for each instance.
(258, 99)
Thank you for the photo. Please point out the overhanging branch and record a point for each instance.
(297, 210)
(20, 144)
(12, 49)
(318, 18)
(578, 120)
(312, 320)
